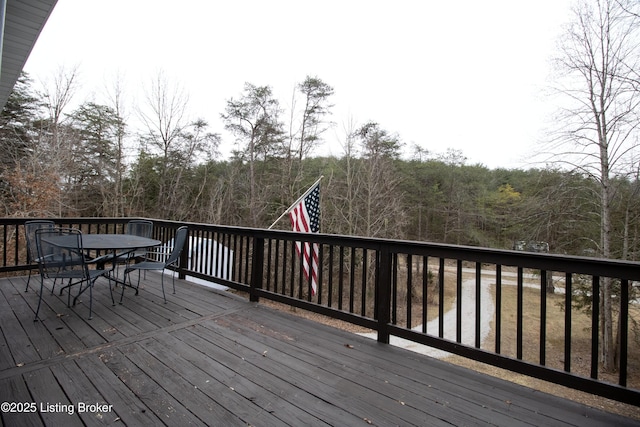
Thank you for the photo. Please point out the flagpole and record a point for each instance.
(306, 193)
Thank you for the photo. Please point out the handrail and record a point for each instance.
(395, 287)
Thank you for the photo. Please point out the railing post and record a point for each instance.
(184, 259)
(383, 294)
(257, 268)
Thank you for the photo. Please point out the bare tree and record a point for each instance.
(199, 145)
(254, 120)
(55, 142)
(115, 96)
(316, 95)
(59, 93)
(345, 189)
(164, 116)
(381, 210)
(306, 126)
(598, 61)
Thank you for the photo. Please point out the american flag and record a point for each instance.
(305, 217)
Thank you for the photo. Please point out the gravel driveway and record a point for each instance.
(468, 321)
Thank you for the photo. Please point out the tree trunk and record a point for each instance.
(608, 343)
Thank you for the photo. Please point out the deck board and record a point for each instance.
(78, 388)
(361, 370)
(20, 344)
(268, 375)
(225, 385)
(208, 357)
(50, 397)
(292, 372)
(128, 408)
(15, 389)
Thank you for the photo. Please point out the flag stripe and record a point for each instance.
(305, 218)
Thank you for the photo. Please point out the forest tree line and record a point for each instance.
(77, 164)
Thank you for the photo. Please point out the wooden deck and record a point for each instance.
(211, 358)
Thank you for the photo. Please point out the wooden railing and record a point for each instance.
(514, 310)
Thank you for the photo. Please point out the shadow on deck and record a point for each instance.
(208, 357)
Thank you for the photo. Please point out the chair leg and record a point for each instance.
(113, 302)
(138, 285)
(69, 293)
(90, 284)
(80, 291)
(35, 319)
(124, 285)
(162, 281)
(91, 299)
(62, 288)
(28, 280)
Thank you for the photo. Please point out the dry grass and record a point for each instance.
(580, 348)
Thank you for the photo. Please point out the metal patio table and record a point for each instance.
(118, 244)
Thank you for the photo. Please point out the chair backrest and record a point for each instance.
(139, 227)
(30, 228)
(179, 241)
(60, 252)
(142, 228)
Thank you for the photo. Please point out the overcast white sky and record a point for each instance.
(466, 75)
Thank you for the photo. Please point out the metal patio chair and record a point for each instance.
(61, 256)
(173, 259)
(135, 227)
(30, 228)
(142, 228)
